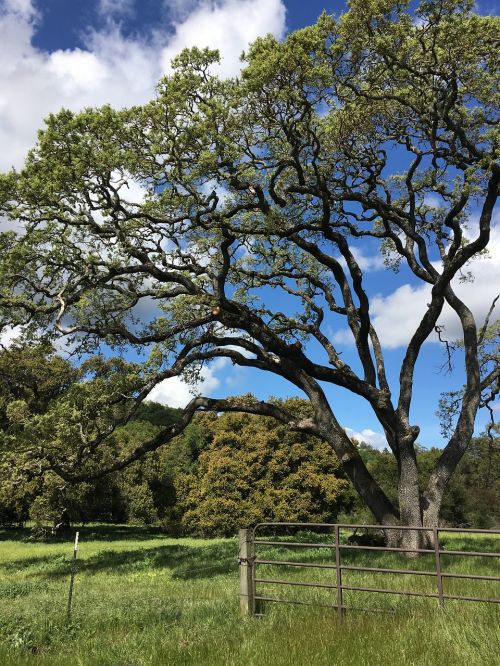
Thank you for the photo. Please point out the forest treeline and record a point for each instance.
(232, 470)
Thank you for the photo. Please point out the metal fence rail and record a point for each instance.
(249, 561)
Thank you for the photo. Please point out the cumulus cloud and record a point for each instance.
(130, 190)
(6, 224)
(366, 262)
(375, 439)
(175, 392)
(23, 8)
(111, 69)
(396, 316)
(34, 83)
(228, 26)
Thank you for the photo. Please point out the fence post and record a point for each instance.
(246, 562)
(435, 533)
(340, 596)
(72, 579)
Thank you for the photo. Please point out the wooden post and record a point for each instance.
(246, 558)
(72, 579)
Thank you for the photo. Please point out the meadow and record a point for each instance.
(141, 597)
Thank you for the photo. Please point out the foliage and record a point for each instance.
(381, 125)
(33, 376)
(256, 470)
(49, 409)
(472, 498)
(221, 473)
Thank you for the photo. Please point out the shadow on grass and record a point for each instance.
(44, 564)
(14, 534)
(90, 532)
(185, 562)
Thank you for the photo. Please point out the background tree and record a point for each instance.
(472, 497)
(51, 410)
(342, 132)
(254, 470)
(31, 378)
(34, 375)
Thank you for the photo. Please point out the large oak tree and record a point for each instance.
(382, 125)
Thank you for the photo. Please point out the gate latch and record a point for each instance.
(246, 560)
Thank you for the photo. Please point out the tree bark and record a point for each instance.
(355, 469)
(409, 498)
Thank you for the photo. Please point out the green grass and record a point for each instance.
(143, 598)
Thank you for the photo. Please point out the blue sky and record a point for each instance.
(63, 22)
(67, 53)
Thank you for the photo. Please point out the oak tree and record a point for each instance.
(381, 125)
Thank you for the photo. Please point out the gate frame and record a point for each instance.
(249, 561)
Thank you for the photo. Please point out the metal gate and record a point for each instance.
(251, 560)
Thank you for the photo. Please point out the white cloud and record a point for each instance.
(241, 350)
(111, 8)
(6, 224)
(366, 262)
(375, 439)
(130, 190)
(63, 64)
(33, 83)
(340, 337)
(221, 191)
(23, 8)
(228, 26)
(369, 262)
(397, 315)
(111, 69)
(9, 334)
(174, 392)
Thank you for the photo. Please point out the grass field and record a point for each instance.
(143, 598)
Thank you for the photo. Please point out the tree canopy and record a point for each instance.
(229, 470)
(254, 470)
(380, 125)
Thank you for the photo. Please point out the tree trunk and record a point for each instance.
(409, 498)
(414, 507)
(352, 464)
(64, 524)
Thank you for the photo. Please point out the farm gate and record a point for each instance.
(252, 560)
